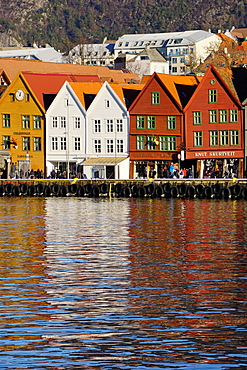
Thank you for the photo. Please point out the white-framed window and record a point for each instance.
(213, 138)
(77, 143)
(97, 125)
(224, 137)
(77, 122)
(109, 125)
(234, 137)
(63, 122)
(97, 146)
(63, 143)
(109, 146)
(54, 143)
(120, 146)
(54, 122)
(119, 125)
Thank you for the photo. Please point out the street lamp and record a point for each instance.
(67, 104)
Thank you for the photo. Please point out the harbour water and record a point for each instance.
(123, 283)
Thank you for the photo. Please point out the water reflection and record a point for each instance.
(122, 283)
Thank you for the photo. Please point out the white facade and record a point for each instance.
(175, 46)
(107, 136)
(65, 132)
(92, 54)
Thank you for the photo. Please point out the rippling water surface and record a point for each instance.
(122, 284)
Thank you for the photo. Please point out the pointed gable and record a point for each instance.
(86, 92)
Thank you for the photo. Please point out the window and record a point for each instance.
(109, 146)
(223, 116)
(167, 143)
(212, 116)
(97, 125)
(197, 118)
(213, 138)
(54, 145)
(151, 142)
(63, 143)
(27, 97)
(155, 97)
(54, 122)
(37, 144)
(182, 60)
(107, 103)
(174, 60)
(140, 142)
(77, 143)
(97, 146)
(12, 97)
(174, 69)
(6, 120)
(63, 122)
(233, 115)
(77, 122)
(25, 121)
(197, 138)
(36, 122)
(212, 96)
(120, 148)
(139, 121)
(224, 137)
(26, 143)
(6, 142)
(234, 137)
(119, 125)
(151, 122)
(171, 123)
(109, 125)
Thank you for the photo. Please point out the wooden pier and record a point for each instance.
(155, 188)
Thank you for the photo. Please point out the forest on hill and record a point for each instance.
(64, 23)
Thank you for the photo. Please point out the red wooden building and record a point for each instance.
(157, 124)
(214, 142)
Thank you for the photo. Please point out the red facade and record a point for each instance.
(156, 130)
(214, 129)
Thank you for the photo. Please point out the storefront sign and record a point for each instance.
(215, 154)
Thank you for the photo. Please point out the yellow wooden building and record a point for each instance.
(22, 131)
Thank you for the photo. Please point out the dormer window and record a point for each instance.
(126, 44)
(178, 41)
(140, 43)
(120, 44)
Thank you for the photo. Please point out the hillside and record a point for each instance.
(62, 23)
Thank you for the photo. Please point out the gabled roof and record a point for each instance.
(213, 70)
(239, 79)
(86, 92)
(44, 85)
(153, 55)
(13, 66)
(48, 54)
(181, 87)
(127, 92)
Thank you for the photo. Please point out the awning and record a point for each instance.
(105, 161)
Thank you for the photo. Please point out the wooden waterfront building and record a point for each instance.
(214, 142)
